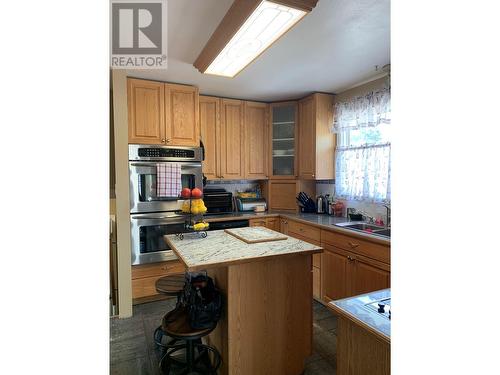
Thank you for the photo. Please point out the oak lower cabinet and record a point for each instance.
(345, 273)
(144, 278)
(316, 141)
(311, 234)
(162, 113)
(268, 222)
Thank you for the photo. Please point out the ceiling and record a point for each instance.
(333, 48)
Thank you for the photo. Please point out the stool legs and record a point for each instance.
(191, 365)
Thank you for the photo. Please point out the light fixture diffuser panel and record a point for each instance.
(264, 26)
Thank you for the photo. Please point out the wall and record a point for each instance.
(328, 186)
(120, 121)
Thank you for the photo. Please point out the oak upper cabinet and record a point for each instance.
(162, 113)
(256, 140)
(182, 121)
(232, 146)
(283, 140)
(146, 111)
(210, 133)
(316, 142)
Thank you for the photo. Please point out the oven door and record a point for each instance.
(142, 181)
(147, 231)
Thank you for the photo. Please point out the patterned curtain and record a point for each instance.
(363, 154)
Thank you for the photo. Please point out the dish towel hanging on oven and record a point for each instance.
(168, 179)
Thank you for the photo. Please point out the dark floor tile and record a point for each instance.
(123, 329)
(324, 343)
(155, 309)
(328, 324)
(321, 367)
(136, 366)
(322, 313)
(314, 357)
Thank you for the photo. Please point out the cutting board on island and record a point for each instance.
(255, 234)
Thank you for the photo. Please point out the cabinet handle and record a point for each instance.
(168, 140)
(353, 245)
(163, 140)
(313, 175)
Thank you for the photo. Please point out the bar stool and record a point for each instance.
(172, 286)
(177, 326)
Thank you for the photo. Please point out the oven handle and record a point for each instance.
(157, 218)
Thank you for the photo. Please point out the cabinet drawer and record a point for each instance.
(303, 238)
(356, 245)
(157, 269)
(308, 231)
(144, 287)
(257, 222)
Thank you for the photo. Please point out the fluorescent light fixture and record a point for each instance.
(267, 22)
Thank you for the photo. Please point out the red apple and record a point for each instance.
(185, 193)
(196, 193)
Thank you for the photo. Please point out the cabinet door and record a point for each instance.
(146, 111)
(182, 120)
(283, 140)
(273, 223)
(334, 271)
(368, 276)
(307, 138)
(256, 117)
(282, 195)
(210, 132)
(284, 226)
(231, 139)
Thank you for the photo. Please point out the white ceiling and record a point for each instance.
(334, 47)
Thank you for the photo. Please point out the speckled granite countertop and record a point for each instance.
(355, 309)
(222, 249)
(319, 220)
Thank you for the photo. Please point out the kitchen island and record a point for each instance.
(266, 327)
(364, 333)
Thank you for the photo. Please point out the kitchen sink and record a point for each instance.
(360, 226)
(366, 228)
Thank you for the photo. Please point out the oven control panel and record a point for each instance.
(165, 153)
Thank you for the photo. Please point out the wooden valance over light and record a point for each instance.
(246, 31)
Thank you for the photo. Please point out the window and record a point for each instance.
(363, 154)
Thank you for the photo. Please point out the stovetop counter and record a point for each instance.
(222, 249)
(355, 309)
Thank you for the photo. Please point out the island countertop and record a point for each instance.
(222, 249)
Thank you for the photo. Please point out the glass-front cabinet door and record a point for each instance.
(284, 139)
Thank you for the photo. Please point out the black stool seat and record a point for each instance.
(177, 325)
(172, 285)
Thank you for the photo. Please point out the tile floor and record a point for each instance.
(133, 352)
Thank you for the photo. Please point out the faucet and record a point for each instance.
(388, 216)
(366, 217)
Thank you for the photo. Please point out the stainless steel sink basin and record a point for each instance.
(366, 228)
(360, 226)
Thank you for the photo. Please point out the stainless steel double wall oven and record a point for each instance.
(151, 216)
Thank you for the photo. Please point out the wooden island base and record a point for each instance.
(266, 327)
